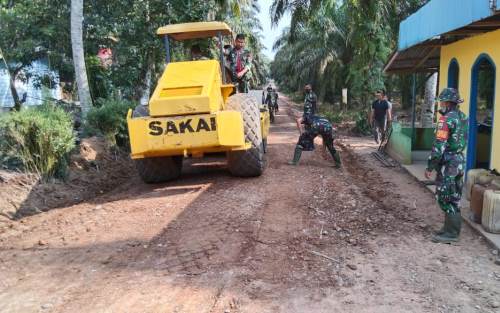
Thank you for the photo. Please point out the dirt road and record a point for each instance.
(298, 239)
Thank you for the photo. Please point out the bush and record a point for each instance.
(109, 119)
(37, 139)
(337, 117)
(358, 117)
(362, 125)
(297, 97)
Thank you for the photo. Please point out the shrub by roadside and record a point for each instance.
(37, 140)
(108, 119)
(362, 126)
(356, 119)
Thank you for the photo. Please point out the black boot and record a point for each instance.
(296, 156)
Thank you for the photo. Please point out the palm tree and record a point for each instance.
(317, 53)
(337, 44)
(79, 56)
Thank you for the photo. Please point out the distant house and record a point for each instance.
(460, 40)
(35, 95)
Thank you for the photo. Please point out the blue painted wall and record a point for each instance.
(441, 16)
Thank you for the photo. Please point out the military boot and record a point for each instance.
(456, 223)
(446, 222)
(296, 156)
(451, 229)
(336, 158)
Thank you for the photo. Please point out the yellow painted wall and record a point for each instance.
(466, 52)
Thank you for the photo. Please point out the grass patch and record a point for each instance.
(37, 140)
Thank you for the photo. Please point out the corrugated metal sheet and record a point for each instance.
(441, 16)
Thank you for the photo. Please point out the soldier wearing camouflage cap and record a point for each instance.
(447, 159)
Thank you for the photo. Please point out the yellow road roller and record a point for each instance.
(193, 112)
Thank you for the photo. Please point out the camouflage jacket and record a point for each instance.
(451, 137)
(310, 103)
(246, 62)
(275, 96)
(320, 126)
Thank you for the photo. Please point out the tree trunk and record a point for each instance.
(79, 56)
(146, 92)
(12, 82)
(427, 114)
(13, 91)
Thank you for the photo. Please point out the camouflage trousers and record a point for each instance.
(449, 182)
(242, 85)
(306, 141)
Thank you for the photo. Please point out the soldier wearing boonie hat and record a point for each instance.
(448, 160)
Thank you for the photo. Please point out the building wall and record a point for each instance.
(399, 146)
(466, 52)
(35, 95)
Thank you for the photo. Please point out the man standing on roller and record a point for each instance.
(240, 61)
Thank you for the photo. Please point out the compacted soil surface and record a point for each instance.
(309, 238)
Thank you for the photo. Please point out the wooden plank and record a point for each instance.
(426, 57)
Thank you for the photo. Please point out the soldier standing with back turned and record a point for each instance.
(447, 159)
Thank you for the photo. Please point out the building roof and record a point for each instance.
(194, 30)
(440, 22)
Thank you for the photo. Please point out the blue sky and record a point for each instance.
(270, 33)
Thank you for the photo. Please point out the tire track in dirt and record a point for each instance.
(214, 243)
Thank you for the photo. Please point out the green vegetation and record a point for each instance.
(332, 44)
(127, 28)
(37, 140)
(357, 119)
(339, 44)
(108, 120)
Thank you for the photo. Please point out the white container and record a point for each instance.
(485, 179)
(472, 177)
(491, 211)
(495, 184)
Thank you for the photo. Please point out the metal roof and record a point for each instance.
(194, 30)
(438, 23)
(441, 16)
(417, 59)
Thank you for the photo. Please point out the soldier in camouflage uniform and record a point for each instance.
(310, 102)
(268, 101)
(240, 63)
(448, 161)
(314, 126)
(275, 100)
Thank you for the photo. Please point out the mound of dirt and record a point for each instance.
(95, 170)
